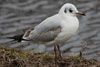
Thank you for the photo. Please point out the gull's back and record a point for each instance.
(46, 31)
(50, 23)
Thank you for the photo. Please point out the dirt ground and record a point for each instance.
(18, 58)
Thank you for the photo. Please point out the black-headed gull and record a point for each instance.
(56, 29)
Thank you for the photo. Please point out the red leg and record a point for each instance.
(59, 51)
(55, 54)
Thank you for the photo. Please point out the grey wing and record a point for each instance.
(47, 36)
(45, 31)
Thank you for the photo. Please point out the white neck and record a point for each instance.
(70, 24)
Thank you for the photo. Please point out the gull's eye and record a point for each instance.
(70, 10)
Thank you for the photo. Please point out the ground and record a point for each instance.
(12, 57)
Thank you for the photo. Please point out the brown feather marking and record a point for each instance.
(28, 32)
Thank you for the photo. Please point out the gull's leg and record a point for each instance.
(59, 51)
(55, 54)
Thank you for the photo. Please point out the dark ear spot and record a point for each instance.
(65, 11)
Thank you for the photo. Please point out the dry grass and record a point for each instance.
(18, 58)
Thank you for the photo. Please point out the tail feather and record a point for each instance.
(17, 38)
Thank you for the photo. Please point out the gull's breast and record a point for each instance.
(68, 29)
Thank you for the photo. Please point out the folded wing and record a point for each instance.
(45, 31)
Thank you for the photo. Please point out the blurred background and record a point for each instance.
(16, 16)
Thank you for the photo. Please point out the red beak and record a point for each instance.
(80, 13)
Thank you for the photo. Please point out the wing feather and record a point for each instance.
(45, 31)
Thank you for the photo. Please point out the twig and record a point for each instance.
(83, 49)
(98, 54)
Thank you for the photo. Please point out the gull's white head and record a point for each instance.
(69, 9)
